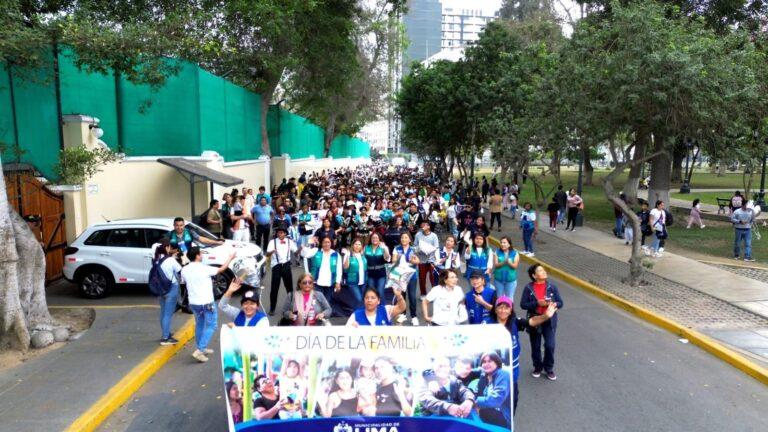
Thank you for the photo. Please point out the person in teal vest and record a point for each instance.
(404, 255)
(356, 272)
(325, 266)
(505, 263)
(478, 257)
(377, 255)
(373, 313)
(249, 314)
(183, 239)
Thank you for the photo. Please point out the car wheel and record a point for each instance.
(221, 284)
(96, 283)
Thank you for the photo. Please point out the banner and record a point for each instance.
(368, 379)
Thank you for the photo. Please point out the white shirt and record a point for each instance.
(282, 250)
(445, 304)
(371, 318)
(199, 283)
(324, 274)
(171, 268)
(656, 215)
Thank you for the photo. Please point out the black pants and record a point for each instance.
(516, 396)
(497, 217)
(279, 272)
(262, 236)
(572, 212)
(545, 331)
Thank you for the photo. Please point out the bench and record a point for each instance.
(723, 205)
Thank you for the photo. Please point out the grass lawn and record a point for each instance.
(705, 197)
(715, 240)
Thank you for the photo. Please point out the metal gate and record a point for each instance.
(43, 210)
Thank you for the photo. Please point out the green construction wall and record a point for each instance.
(193, 112)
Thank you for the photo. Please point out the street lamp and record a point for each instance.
(685, 188)
(580, 215)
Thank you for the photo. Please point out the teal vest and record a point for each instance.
(506, 273)
(353, 272)
(317, 260)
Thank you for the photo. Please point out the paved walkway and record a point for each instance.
(715, 301)
(49, 392)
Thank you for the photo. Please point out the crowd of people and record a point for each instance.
(349, 231)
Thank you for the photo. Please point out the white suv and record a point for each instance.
(120, 252)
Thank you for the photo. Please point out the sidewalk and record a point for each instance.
(49, 392)
(715, 301)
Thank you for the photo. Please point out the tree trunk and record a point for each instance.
(330, 135)
(633, 180)
(589, 170)
(661, 168)
(266, 99)
(555, 166)
(678, 155)
(23, 307)
(636, 260)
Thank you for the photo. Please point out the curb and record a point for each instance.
(734, 264)
(701, 340)
(131, 382)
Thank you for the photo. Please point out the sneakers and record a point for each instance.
(536, 373)
(551, 376)
(401, 318)
(703, 226)
(573, 229)
(414, 321)
(199, 356)
(736, 258)
(208, 351)
(170, 340)
(749, 259)
(531, 254)
(554, 229)
(661, 250)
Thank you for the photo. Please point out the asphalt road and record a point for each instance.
(615, 373)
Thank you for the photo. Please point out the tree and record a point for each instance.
(23, 308)
(520, 10)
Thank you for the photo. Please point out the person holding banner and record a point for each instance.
(305, 306)
(404, 255)
(249, 314)
(373, 313)
(505, 315)
(447, 298)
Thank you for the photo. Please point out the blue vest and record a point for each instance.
(477, 261)
(317, 260)
(240, 319)
(477, 313)
(381, 317)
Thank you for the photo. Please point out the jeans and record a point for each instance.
(357, 293)
(528, 240)
(206, 320)
(746, 235)
(167, 308)
(453, 228)
(513, 211)
(378, 283)
(618, 229)
(327, 292)
(505, 288)
(561, 215)
(547, 331)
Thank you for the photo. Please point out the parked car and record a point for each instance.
(120, 252)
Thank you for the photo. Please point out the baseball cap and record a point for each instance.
(250, 296)
(504, 300)
(477, 274)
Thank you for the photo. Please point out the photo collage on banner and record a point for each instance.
(368, 379)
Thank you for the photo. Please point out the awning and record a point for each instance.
(195, 172)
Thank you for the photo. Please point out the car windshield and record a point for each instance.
(202, 233)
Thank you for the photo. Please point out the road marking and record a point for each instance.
(131, 382)
(704, 342)
(105, 306)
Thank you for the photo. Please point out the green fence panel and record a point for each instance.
(301, 138)
(170, 124)
(359, 148)
(213, 119)
(89, 94)
(36, 116)
(339, 147)
(6, 113)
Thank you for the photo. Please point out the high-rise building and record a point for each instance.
(422, 28)
(461, 25)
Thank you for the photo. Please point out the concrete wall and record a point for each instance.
(310, 165)
(255, 173)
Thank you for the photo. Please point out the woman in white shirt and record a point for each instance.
(447, 301)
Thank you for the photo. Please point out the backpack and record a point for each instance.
(668, 218)
(159, 284)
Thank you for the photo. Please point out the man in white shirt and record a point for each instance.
(280, 250)
(200, 292)
(659, 226)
